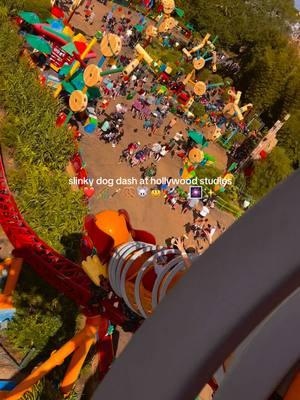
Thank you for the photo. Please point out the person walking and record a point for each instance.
(170, 125)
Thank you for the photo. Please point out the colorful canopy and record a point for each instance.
(198, 138)
(139, 27)
(61, 35)
(57, 24)
(29, 17)
(209, 157)
(68, 87)
(179, 12)
(38, 43)
(65, 69)
(70, 48)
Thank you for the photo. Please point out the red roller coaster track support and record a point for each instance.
(56, 270)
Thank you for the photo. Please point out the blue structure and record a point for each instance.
(6, 315)
(7, 385)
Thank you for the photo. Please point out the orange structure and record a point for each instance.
(79, 345)
(113, 224)
(294, 390)
(139, 272)
(13, 267)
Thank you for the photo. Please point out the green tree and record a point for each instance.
(41, 7)
(240, 23)
(269, 172)
(290, 97)
(45, 319)
(269, 73)
(289, 137)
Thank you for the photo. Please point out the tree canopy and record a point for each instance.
(241, 23)
(269, 172)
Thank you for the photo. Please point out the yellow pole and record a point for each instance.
(56, 358)
(76, 65)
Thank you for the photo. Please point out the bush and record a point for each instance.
(30, 125)
(208, 172)
(41, 7)
(198, 109)
(228, 200)
(170, 56)
(41, 320)
(269, 172)
(47, 203)
(43, 193)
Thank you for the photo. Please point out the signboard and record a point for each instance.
(59, 57)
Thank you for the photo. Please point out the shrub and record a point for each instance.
(41, 7)
(198, 109)
(41, 151)
(41, 320)
(30, 125)
(269, 172)
(47, 203)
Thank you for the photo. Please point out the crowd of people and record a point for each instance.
(143, 97)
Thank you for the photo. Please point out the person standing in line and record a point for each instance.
(92, 16)
(170, 125)
(204, 212)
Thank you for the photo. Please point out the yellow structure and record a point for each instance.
(76, 65)
(211, 132)
(168, 6)
(111, 45)
(191, 162)
(232, 109)
(270, 141)
(189, 53)
(142, 55)
(198, 87)
(93, 267)
(165, 21)
(167, 24)
(78, 99)
(151, 32)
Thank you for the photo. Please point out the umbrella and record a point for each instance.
(57, 25)
(38, 43)
(70, 48)
(60, 35)
(179, 12)
(29, 17)
(198, 138)
(68, 87)
(139, 27)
